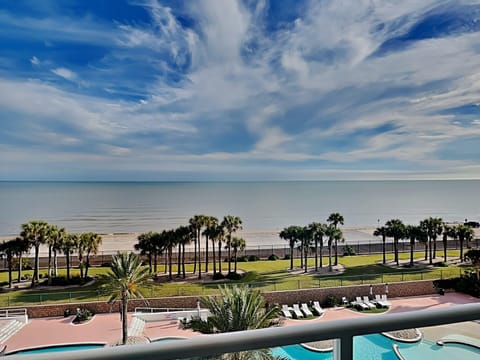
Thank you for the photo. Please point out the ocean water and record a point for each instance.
(126, 207)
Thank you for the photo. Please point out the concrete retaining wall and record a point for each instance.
(407, 288)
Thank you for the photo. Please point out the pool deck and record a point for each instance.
(106, 328)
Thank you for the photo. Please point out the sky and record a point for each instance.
(199, 90)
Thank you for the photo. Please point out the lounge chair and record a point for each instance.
(317, 308)
(384, 299)
(286, 311)
(359, 304)
(296, 310)
(367, 302)
(344, 301)
(378, 300)
(306, 310)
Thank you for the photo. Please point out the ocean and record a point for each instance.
(134, 207)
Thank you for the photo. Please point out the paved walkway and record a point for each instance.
(106, 328)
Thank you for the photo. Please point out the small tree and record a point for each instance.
(124, 281)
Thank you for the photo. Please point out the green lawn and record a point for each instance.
(265, 275)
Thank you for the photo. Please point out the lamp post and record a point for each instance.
(386, 288)
(371, 291)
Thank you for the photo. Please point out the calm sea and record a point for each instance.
(118, 207)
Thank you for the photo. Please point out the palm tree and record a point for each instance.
(196, 222)
(68, 246)
(22, 246)
(306, 237)
(9, 248)
(448, 231)
(231, 224)
(465, 234)
(237, 244)
(382, 231)
(146, 246)
(318, 232)
(396, 230)
(184, 236)
(433, 227)
(214, 232)
(335, 219)
(36, 233)
(169, 240)
(55, 237)
(208, 222)
(290, 234)
(91, 242)
(123, 282)
(333, 235)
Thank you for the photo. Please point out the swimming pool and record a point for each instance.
(375, 347)
(56, 348)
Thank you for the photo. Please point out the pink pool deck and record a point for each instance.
(106, 328)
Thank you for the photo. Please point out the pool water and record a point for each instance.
(61, 348)
(378, 347)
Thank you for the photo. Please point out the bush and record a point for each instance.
(469, 283)
(253, 258)
(218, 276)
(273, 257)
(331, 301)
(108, 264)
(25, 264)
(74, 280)
(83, 314)
(233, 276)
(441, 264)
(243, 258)
(349, 251)
(286, 257)
(446, 283)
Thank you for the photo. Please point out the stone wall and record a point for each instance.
(407, 288)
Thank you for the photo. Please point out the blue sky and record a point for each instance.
(239, 90)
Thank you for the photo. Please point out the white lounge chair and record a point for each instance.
(286, 311)
(306, 310)
(317, 308)
(379, 301)
(367, 302)
(384, 299)
(358, 303)
(296, 310)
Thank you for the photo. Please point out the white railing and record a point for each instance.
(343, 330)
(18, 314)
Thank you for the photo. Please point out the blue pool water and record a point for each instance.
(50, 349)
(376, 347)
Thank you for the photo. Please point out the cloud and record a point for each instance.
(34, 60)
(65, 73)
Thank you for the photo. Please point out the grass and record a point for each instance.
(264, 275)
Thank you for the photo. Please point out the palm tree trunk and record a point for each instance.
(430, 251)
(220, 257)
(199, 260)
(55, 263)
(461, 248)
(170, 263)
(155, 262)
(383, 249)
(179, 260)
(316, 255)
(214, 260)
(229, 254)
(20, 261)
(330, 256)
(195, 254)
(412, 243)
(305, 253)
(124, 319)
(87, 264)
(35, 276)
(206, 253)
(10, 266)
(321, 254)
(395, 250)
(434, 248)
(183, 261)
(426, 250)
(235, 257)
(445, 247)
(80, 264)
(49, 270)
(68, 265)
(291, 257)
(336, 252)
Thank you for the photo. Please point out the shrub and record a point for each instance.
(331, 301)
(233, 276)
(441, 264)
(446, 283)
(273, 257)
(83, 314)
(243, 258)
(253, 258)
(25, 264)
(348, 251)
(286, 257)
(74, 280)
(218, 276)
(107, 264)
(469, 283)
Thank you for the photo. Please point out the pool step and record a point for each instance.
(9, 329)
(136, 327)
